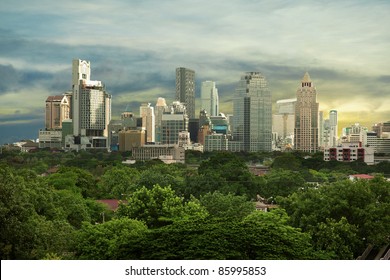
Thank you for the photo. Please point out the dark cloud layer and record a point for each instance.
(135, 46)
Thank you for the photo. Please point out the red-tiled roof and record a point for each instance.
(111, 203)
(362, 176)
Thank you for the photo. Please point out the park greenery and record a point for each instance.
(204, 209)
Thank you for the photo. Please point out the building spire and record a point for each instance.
(306, 81)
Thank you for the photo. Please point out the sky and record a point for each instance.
(135, 46)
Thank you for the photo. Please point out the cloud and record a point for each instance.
(135, 46)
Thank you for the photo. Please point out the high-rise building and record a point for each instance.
(326, 134)
(185, 89)
(91, 108)
(333, 122)
(57, 110)
(161, 106)
(174, 120)
(321, 128)
(306, 117)
(148, 121)
(283, 121)
(252, 114)
(209, 98)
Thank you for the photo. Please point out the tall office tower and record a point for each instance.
(185, 89)
(161, 106)
(326, 134)
(306, 117)
(91, 106)
(174, 120)
(333, 122)
(57, 110)
(148, 121)
(252, 113)
(209, 98)
(284, 119)
(321, 126)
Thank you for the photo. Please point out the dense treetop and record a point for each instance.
(204, 209)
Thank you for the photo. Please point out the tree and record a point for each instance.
(75, 179)
(267, 235)
(227, 205)
(338, 239)
(163, 175)
(233, 170)
(118, 181)
(345, 206)
(281, 183)
(30, 227)
(287, 161)
(71, 207)
(259, 236)
(104, 241)
(158, 206)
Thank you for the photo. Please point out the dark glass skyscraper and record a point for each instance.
(252, 109)
(185, 89)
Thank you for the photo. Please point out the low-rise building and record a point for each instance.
(164, 152)
(350, 152)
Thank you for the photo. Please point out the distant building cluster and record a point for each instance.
(81, 119)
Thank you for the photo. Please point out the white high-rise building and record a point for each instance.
(209, 98)
(284, 120)
(252, 113)
(333, 123)
(148, 121)
(91, 110)
(161, 106)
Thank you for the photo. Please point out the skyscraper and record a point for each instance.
(174, 120)
(161, 106)
(91, 107)
(306, 117)
(209, 98)
(185, 89)
(283, 121)
(333, 122)
(148, 121)
(57, 110)
(252, 114)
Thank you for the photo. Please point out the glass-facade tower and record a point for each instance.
(252, 110)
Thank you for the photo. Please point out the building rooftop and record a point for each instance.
(361, 176)
(54, 98)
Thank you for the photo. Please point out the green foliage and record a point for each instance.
(287, 161)
(339, 239)
(74, 179)
(230, 171)
(118, 181)
(363, 204)
(29, 225)
(281, 182)
(260, 236)
(104, 241)
(158, 206)
(227, 206)
(191, 213)
(165, 175)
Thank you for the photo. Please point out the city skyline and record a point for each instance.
(135, 47)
